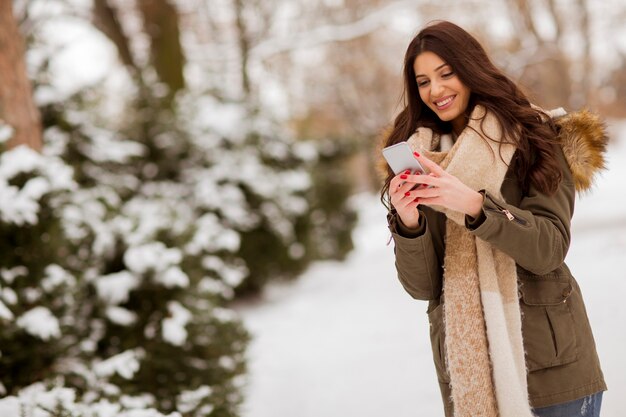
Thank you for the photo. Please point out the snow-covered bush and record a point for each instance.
(123, 243)
(158, 268)
(39, 400)
(286, 198)
(38, 295)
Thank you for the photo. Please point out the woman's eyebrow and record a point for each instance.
(436, 69)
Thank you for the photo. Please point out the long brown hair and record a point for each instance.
(531, 130)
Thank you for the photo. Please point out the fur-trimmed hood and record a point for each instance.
(584, 139)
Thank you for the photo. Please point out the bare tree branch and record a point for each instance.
(327, 34)
(244, 45)
(558, 20)
(587, 64)
(105, 19)
(522, 16)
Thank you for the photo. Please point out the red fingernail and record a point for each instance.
(407, 194)
(416, 200)
(403, 176)
(408, 171)
(416, 154)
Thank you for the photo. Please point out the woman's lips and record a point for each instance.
(444, 103)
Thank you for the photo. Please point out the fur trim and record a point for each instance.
(381, 166)
(584, 139)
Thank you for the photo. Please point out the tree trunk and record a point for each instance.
(161, 24)
(17, 107)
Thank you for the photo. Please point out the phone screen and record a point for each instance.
(400, 158)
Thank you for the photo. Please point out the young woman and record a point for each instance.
(484, 235)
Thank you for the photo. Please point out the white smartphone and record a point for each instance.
(400, 158)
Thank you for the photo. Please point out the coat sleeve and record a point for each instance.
(416, 259)
(536, 234)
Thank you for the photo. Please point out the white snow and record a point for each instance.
(151, 256)
(232, 275)
(5, 313)
(6, 132)
(18, 160)
(121, 315)
(9, 275)
(56, 276)
(124, 364)
(40, 322)
(48, 174)
(36, 396)
(173, 277)
(174, 331)
(212, 236)
(9, 406)
(115, 288)
(346, 340)
(76, 41)
(106, 147)
(224, 314)
(189, 400)
(226, 120)
(9, 296)
(37, 400)
(215, 286)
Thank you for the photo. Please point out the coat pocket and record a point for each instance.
(437, 340)
(547, 323)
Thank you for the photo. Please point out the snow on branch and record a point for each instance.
(329, 33)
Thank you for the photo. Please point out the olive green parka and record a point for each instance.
(534, 229)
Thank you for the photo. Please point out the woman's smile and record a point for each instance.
(445, 102)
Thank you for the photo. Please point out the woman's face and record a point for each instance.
(441, 90)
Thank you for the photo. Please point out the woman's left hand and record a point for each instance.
(446, 191)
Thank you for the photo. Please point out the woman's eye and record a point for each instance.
(447, 74)
(422, 83)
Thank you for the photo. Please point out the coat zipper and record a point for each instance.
(508, 214)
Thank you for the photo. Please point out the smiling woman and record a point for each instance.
(489, 228)
(441, 90)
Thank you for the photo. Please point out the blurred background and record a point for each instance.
(188, 213)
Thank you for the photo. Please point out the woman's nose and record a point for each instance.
(436, 89)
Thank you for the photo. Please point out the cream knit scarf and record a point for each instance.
(485, 354)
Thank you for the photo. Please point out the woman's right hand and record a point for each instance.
(405, 205)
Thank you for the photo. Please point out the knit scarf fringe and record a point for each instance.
(482, 319)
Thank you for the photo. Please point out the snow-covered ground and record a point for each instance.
(346, 340)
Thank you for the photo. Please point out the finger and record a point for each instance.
(410, 203)
(408, 186)
(408, 183)
(404, 203)
(428, 164)
(396, 181)
(406, 199)
(431, 201)
(428, 192)
(427, 179)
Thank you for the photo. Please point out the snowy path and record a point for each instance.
(346, 340)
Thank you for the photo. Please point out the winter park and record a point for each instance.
(191, 220)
